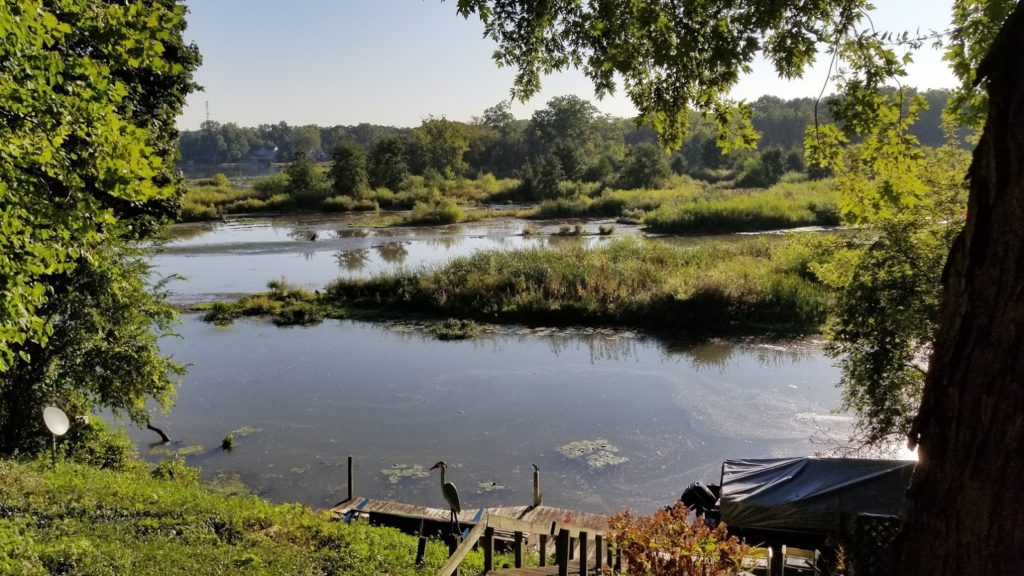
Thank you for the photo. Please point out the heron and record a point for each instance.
(450, 493)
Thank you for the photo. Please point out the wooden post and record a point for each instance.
(543, 545)
(583, 553)
(453, 543)
(421, 547)
(598, 541)
(562, 552)
(519, 548)
(572, 548)
(618, 559)
(536, 487)
(608, 556)
(488, 549)
(351, 489)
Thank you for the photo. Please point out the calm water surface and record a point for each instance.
(395, 398)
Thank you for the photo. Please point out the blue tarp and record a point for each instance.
(813, 495)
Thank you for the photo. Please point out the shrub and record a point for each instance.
(443, 212)
(176, 470)
(221, 313)
(455, 329)
(92, 443)
(669, 542)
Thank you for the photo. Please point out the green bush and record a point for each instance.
(443, 212)
(175, 470)
(93, 444)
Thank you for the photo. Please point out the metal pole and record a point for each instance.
(53, 450)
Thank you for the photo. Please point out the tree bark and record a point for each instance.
(966, 512)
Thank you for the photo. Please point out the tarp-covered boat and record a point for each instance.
(811, 495)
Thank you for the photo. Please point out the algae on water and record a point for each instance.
(597, 453)
(395, 473)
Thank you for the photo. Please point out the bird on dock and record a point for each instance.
(450, 493)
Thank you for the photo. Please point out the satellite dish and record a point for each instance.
(56, 420)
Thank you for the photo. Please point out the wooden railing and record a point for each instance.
(566, 538)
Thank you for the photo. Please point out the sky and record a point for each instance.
(395, 62)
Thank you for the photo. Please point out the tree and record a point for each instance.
(89, 93)
(965, 513)
(565, 128)
(389, 166)
(646, 167)
(442, 143)
(348, 172)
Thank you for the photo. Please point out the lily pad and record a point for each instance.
(597, 453)
(399, 471)
(490, 486)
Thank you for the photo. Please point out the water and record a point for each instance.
(241, 256)
(392, 395)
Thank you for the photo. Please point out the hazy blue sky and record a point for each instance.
(397, 61)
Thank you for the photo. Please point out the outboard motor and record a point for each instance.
(703, 501)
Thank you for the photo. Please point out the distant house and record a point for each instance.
(263, 154)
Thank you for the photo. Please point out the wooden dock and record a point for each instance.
(551, 517)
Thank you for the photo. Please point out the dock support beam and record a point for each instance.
(583, 553)
(542, 559)
(488, 549)
(519, 548)
(562, 552)
(351, 489)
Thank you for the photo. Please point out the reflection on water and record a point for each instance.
(392, 252)
(239, 256)
(394, 397)
(353, 260)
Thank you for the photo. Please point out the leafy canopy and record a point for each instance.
(672, 55)
(89, 92)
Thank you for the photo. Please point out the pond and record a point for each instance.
(613, 418)
(395, 398)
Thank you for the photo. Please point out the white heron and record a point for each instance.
(450, 493)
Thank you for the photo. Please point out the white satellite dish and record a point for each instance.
(56, 420)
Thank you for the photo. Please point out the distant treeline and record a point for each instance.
(567, 140)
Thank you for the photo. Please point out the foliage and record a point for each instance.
(646, 167)
(102, 349)
(666, 70)
(442, 143)
(443, 212)
(89, 95)
(90, 522)
(306, 182)
(348, 174)
(389, 164)
(887, 281)
(670, 543)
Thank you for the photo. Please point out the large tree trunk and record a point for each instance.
(967, 497)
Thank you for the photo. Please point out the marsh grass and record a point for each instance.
(752, 285)
(785, 205)
(81, 520)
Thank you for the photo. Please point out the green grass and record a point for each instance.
(694, 207)
(785, 205)
(752, 285)
(85, 521)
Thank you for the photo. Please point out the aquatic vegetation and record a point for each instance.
(455, 329)
(397, 472)
(606, 229)
(597, 453)
(228, 443)
(443, 212)
(751, 285)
